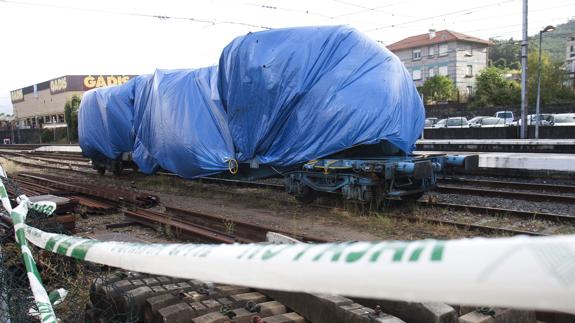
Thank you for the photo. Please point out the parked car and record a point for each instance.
(546, 120)
(564, 119)
(456, 122)
(440, 123)
(487, 122)
(430, 122)
(474, 120)
(505, 115)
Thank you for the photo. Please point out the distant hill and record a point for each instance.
(506, 53)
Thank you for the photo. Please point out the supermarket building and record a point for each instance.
(42, 105)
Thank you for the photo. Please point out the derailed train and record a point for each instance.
(325, 107)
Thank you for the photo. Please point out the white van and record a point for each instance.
(507, 116)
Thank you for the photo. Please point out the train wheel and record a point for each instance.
(306, 196)
(117, 171)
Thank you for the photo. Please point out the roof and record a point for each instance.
(441, 36)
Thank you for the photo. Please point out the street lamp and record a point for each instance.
(538, 119)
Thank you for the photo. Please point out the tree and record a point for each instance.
(553, 89)
(71, 115)
(505, 53)
(493, 89)
(437, 88)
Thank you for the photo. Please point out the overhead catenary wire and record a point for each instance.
(441, 15)
(136, 14)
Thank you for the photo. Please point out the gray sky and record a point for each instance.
(42, 40)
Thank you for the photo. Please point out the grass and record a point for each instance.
(9, 166)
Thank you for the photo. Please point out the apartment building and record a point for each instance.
(444, 52)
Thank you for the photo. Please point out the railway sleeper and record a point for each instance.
(135, 297)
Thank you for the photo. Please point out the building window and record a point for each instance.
(431, 51)
(60, 118)
(431, 72)
(468, 50)
(416, 75)
(469, 90)
(469, 71)
(416, 54)
(572, 48)
(443, 70)
(443, 50)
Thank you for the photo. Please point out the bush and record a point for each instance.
(437, 88)
(71, 115)
(492, 89)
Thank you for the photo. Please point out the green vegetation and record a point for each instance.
(438, 88)
(493, 89)
(553, 89)
(71, 116)
(494, 85)
(507, 53)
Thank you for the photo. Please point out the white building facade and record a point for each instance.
(458, 56)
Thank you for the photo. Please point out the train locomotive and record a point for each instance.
(326, 108)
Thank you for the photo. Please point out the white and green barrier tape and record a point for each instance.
(522, 272)
(18, 216)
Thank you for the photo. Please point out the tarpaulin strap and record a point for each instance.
(18, 216)
(233, 166)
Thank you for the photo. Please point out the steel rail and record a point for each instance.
(529, 196)
(183, 228)
(469, 226)
(506, 184)
(500, 211)
(238, 227)
(23, 163)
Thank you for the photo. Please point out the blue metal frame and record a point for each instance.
(371, 180)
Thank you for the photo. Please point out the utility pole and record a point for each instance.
(524, 43)
(537, 106)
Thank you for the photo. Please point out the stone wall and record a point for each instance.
(499, 133)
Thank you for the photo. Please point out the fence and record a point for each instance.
(35, 136)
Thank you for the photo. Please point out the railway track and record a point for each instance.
(517, 195)
(456, 186)
(190, 224)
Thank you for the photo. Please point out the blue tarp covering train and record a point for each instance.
(280, 97)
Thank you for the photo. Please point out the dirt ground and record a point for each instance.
(329, 218)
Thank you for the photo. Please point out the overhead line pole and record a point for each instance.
(524, 44)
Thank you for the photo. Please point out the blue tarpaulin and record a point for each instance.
(296, 94)
(183, 126)
(105, 121)
(278, 97)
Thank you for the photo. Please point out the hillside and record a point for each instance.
(506, 53)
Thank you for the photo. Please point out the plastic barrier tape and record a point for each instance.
(18, 216)
(41, 298)
(522, 272)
